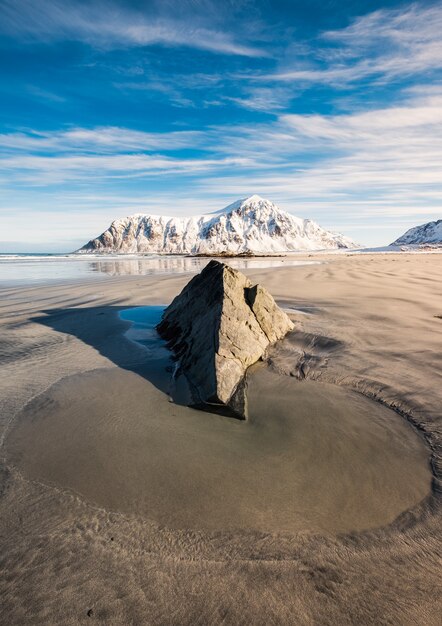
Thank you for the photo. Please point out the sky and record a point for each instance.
(331, 109)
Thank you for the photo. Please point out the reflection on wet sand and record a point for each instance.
(181, 264)
(19, 270)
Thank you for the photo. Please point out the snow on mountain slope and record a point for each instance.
(425, 233)
(250, 226)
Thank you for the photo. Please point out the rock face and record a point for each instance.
(217, 327)
(429, 233)
(250, 226)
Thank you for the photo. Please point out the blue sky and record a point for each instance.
(333, 110)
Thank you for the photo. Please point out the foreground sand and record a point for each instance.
(63, 554)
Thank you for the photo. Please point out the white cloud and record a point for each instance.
(109, 25)
(48, 170)
(99, 139)
(393, 125)
(388, 152)
(383, 46)
(381, 164)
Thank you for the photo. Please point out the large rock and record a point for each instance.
(217, 327)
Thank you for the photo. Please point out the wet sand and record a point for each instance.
(312, 456)
(96, 512)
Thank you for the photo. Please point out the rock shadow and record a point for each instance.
(104, 330)
(116, 339)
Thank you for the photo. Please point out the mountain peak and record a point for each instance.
(251, 201)
(429, 233)
(255, 198)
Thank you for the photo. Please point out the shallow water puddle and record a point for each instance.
(144, 320)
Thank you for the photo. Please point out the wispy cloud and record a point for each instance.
(338, 145)
(381, 166)
(42, 171)
(103, 139)
(105, 24)
(387, 157)
(384, 45)
(44, 94)
(263, 99)
(42, 159)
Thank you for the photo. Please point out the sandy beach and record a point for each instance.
(119, 506)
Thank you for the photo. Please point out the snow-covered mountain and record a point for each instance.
(430, 233)
(250, 226)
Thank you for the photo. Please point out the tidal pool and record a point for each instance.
(312, 456)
